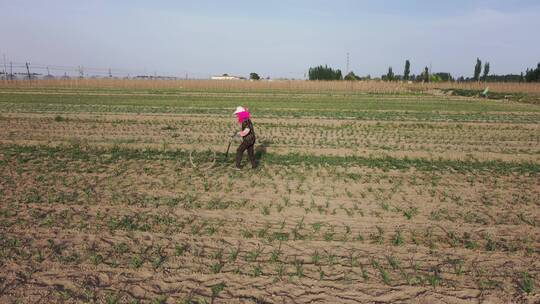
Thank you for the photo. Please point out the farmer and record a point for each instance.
(248, 137)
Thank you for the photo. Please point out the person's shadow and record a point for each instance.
(260, 150)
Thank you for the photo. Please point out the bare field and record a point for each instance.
(454, 140)
(359, 198)
(371, 86)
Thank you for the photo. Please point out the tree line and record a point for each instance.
(324, 73)
(481, 73)
(533, 75)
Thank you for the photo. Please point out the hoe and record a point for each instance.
(229, 146)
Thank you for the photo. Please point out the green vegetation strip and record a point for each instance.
(25, 154)
(294, 102)
(519, 97)
(368, 115)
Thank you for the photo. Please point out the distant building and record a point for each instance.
(155, 77)
(226, 77)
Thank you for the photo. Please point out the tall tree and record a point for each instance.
(425, 75)
(351, 76)
(254, 76)
(528, 75)
(407, 70)
(477, 69)
(486, 71)
(390, 74)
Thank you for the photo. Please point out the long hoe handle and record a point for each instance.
(227, 154)
(230, 141)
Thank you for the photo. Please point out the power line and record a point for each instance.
(85, 71)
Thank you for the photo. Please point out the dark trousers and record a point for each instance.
(250, 147)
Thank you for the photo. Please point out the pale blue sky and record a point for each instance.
(273, 38)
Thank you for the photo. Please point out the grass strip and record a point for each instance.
(24, 153)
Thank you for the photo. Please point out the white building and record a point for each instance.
(226, 77)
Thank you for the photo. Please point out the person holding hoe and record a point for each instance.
(247, 134)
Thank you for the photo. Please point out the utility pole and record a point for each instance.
(347, 70)
(48, 73)
(10, 70)
(110, 73)
(5, 68)
(81, 71)
(28, 70)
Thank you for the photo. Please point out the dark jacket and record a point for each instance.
(250, 137)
